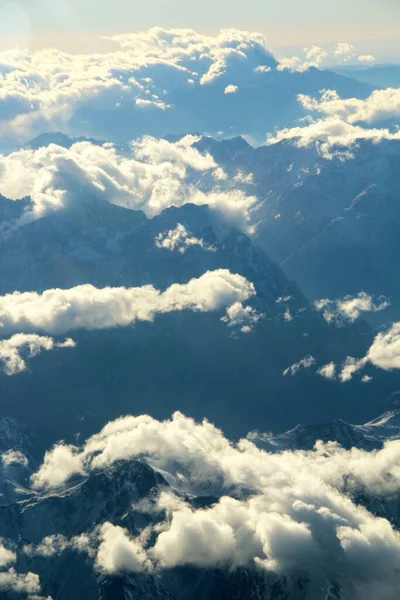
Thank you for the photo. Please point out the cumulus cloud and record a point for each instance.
(14, 457)
(85, 306)
(344, 49)
(305, 363)
(130, 88)
(385, 350)
(286, 512)
(384, 353)
(180, 239)
(328, 371)
(20, 583)
(379, 106)
(152, 176)
(349, 308)
(315, 56)
(13, 349)
(344, 122)
(366, 58)
(240, 317)
(231, 89)
(7, 556)
(119, 552)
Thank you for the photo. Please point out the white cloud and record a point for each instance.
(291, 511)
(20, 583)
(341, 126)
(14, 457)
(314, 56)
(305, 363)
(366, 58)
(180, 239)
(49, 546)
(262, 69)
(333, 136)
(231, 89)
(349, 308)
(380, 105)
(318, 57)
(49, 90)
(328, 371)
(155, 175)
(385, 350)
(241, 317)
(344, 49)
(11, 350)
(59, 310)
(118, 551)
(7, 556)
(384, 353)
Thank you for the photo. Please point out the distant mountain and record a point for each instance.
(378, 75)
(370, 436)
(266, 101)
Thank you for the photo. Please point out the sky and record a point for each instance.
(77, 25)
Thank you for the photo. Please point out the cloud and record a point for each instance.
(119, 552)
(305, 363)
(328, 371)
(14, 457)
(241, 317)
(366, 58)
(384, 353)
(7, 556)
(31, 344)
(315, 56)
(152, 176)
(344, 49)
(349, 308)
(344, 122)
(288, 512)
(379, 106)
(20, 583)
(55, 544)
(385, 350)
(332, 136)
(87, 307)
(180, 239)
(125, 92)
(231, 89)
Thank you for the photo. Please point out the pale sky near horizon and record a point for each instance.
(77, 25)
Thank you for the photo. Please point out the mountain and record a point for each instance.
(331, 224)
(188, 361)
(383, 76)
(370, 436)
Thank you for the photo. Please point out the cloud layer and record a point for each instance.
(345, 121)
(126, 92)
(286, 513)
(151, 175)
